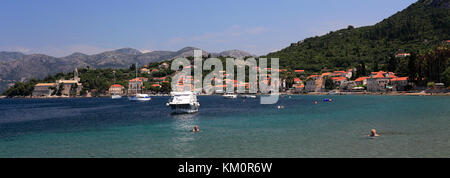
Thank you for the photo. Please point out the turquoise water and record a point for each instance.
(410, 126)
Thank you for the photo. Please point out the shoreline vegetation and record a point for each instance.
(156, 78)
(259, 94)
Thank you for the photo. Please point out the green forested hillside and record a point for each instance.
(420, 27)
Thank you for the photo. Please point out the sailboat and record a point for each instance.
(115, 95)
(139, 96)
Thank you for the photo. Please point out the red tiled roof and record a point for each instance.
(299, 86)
(383, 72)
(361, 79)
(297, 80)
(399, 79)
(156, 85)
(379, 75)
(299, 71)
(340, 71)
(338, 78)
(135, 80)
(116, 86)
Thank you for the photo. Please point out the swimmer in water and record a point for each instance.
(315, 102)
(373, 133)
(196, 129)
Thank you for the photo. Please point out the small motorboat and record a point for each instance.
(140, 97)
(116, 96)
(230, 96)
(248, 96)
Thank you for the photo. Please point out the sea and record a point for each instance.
(295, 127)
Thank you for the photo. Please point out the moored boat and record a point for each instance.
(183, 102)
(230, 96)
(116, 96)
(140, 97)
(248, 96)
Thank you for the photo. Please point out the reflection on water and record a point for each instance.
(184, 140)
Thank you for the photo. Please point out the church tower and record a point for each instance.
(75, 75)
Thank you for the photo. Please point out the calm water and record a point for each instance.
(410, 126)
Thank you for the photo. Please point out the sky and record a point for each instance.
(62, 27)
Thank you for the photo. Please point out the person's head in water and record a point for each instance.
(373, 133)
(195, 129)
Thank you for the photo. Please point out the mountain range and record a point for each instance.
(16, 66)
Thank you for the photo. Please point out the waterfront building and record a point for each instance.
(402, 55)
(145, 71)
(298, 88)
(361, 81)
(44, 89)
(338, 80)
(71, 86)
(135, 86)
(378, 82)
(399, 83)
(310, 85)
(116, 89)
(297, 81)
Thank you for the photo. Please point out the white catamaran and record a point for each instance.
(184, 102)
(138, 96)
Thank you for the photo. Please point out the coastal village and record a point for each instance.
(296, 81)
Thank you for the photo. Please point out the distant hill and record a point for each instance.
(417, 28)
(232, 53)
(10, 56)
(16, 66)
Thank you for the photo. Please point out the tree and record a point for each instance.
(165, 87)
(60, 89)
(133, 67)
(375, 66)
(446, 76)
(329, 84)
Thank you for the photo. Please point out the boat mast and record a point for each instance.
(136, 78)
(114, 73)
